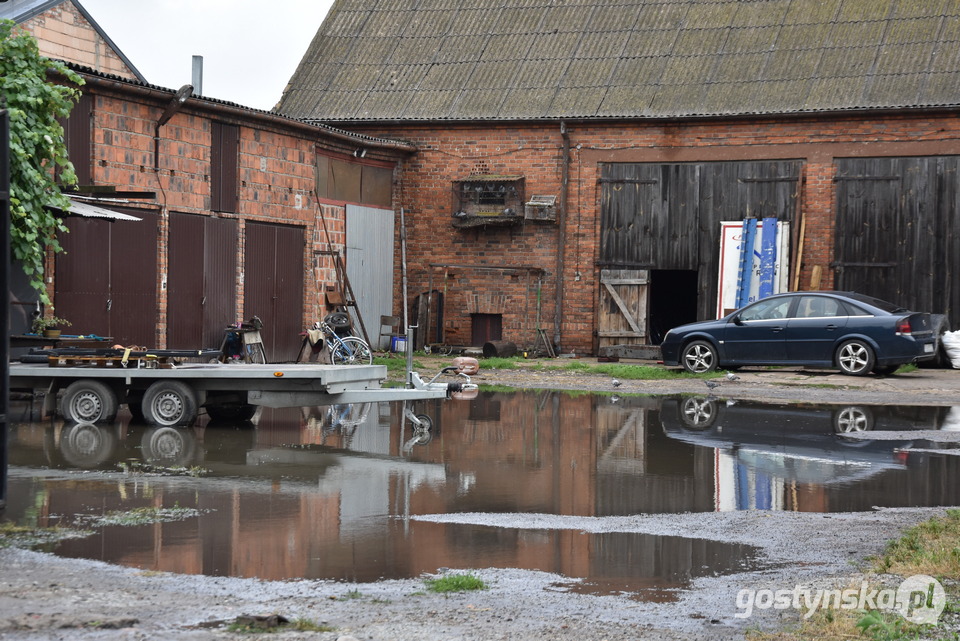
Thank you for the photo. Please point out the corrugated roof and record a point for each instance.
(548, 59)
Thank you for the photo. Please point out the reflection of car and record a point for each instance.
(855, 333)
(804, 443)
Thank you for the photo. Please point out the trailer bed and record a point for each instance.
(172, 396)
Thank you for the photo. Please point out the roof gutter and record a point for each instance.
(562, 232)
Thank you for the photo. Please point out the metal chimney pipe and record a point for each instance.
(198, 75)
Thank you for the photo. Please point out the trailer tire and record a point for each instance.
(89, 401)
(169, 404)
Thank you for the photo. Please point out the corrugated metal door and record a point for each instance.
(273, 286)
(370, 256)
(201, 283)
(107, 278)
(898, 230)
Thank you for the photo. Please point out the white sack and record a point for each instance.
(951, 342)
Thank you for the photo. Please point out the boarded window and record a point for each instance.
(354, 182)
(225, 145)
(76, 134)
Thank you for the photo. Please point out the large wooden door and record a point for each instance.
(624, 294)
(667, 216)
(898, 230)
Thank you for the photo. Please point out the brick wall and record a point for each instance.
(275, 179)
(450, 152)
(64, 34)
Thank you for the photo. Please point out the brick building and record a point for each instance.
(196, 213)
(575, 161)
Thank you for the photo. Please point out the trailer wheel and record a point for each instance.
(89, 401)
(169, 404)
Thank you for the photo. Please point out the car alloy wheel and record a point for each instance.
(699, 357)
(855, 358)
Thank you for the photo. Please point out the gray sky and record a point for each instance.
(250, 48)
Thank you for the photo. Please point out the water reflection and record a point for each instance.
(329, 492)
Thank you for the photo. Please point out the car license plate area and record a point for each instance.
(928, 348)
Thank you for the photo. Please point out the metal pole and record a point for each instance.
(5, 280)
(403, 292)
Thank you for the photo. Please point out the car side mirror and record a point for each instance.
(736, 320)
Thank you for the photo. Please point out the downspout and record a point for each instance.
(562, 235)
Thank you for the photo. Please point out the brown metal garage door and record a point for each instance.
(201, 287)
(273, 286)
(106, 278)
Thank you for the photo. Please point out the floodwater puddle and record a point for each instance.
(334, 492)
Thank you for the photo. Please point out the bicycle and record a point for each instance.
(346, 350)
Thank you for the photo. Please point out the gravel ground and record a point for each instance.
(46, 597)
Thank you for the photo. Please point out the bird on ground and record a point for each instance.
(732, 377)
(616, 383)
(711, 385)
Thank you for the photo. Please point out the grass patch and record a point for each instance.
(141, 516)
(455, 583)
(275, 623)
(43, 539)
(136, 468)
(931, 548)
(396, 363)
(631, 372)
(498, 362)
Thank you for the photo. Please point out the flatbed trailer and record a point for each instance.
(172, 396)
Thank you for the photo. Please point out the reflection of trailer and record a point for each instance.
(172, 397)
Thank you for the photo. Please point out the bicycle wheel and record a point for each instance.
(352, 351)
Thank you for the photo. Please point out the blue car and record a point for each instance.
(857, 334)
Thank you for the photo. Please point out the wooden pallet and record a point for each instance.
(132, 362)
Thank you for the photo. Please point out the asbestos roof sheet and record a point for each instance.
(530, 59)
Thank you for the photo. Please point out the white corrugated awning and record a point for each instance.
(85, 209)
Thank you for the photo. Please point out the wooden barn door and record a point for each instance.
(623, 307)
(897, 230)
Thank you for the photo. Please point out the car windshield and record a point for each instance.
(890, 308)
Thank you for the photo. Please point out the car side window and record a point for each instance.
(853, 310)
(767, 310)
(819, 307)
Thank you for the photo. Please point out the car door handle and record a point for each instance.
(831, 327)
(776, 329)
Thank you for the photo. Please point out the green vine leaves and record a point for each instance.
(38, 153)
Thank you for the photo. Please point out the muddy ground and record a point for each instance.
(46, 597)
